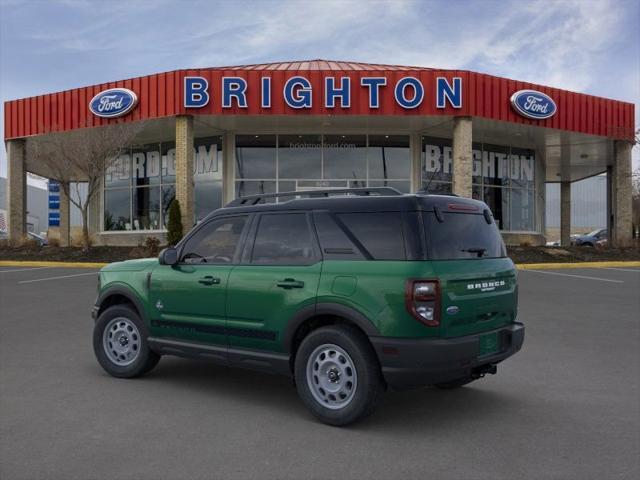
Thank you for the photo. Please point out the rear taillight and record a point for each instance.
(422, 299)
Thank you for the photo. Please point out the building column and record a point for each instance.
(565, 213)
(610, 202)
(621, 194)
(462, 156)
(65, 218)
(184, 170)
(16, 191)
(415, 147)
(228, 167)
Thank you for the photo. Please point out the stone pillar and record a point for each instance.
(65, 216)
(621, 184)
(184, 170)
(415, 147)
(16, 191)
(228, 167)
(565, 213)
(610, 201)
(462, 156)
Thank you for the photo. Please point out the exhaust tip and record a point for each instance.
(489, 369)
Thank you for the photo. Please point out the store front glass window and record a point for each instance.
(311, 162)
(503, 177)
(140, 184)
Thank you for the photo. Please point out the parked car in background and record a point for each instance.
(42, 240)
(590, 239)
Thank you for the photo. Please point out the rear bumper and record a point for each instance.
(408, 363)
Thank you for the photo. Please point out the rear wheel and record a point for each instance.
(337, 375)
(120, 343)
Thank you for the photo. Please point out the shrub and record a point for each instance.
(174, 225)
(54, 242)
(138, 252)
(152, 245)
(29, 244)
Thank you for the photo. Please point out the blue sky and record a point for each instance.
(581, 45)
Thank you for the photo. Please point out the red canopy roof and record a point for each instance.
(161, 95)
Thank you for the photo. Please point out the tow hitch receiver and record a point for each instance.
(483, 370)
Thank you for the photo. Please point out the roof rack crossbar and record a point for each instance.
(255, 199)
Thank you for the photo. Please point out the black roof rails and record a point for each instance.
(255, 199)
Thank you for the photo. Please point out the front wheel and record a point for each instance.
(120, 343)
(337, 375)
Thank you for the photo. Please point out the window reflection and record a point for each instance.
(344, 156)
(299, 156)
(503, 177)
(311, 162)
(256, 156)
(389, 157)
(150, 170)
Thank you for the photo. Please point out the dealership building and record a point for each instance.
(211, 135)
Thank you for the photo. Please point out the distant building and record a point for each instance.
(37, 206)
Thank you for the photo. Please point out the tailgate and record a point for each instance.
(476, 295)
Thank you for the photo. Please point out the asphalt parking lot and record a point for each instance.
(567, 406)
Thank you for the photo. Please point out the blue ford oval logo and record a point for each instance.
(452, 310)
(114, 102)
(533, 104)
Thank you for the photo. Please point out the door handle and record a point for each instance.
(209, 280)
(289, 283)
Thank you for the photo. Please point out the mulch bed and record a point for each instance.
(115, 254)
(572, 254)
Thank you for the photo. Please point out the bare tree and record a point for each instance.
(82, 156)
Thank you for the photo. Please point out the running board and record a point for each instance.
(270, 362)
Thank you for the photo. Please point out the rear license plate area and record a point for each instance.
(489, 343)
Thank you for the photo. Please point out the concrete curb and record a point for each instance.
(520, 266)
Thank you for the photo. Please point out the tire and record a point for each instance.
(460, 382)
(334, 357)
(125, 353)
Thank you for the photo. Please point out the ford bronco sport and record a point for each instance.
(350, 292)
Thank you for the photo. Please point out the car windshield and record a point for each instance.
(594, 233)
(462, 236)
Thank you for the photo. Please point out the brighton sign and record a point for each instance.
(533, 104)
(113, 103)
(408, 92)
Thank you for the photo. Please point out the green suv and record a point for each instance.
(350, 292)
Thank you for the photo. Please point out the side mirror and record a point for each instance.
(168, 256)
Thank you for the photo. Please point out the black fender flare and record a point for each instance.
(335, 309)
(125, 292)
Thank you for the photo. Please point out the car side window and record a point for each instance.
(283, 239)
(215, 242)
(380, 233)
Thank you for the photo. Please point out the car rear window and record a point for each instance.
(458, 236)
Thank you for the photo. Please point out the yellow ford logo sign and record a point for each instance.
(486, 286)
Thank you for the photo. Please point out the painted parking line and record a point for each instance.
(576, 276)
(636, 270)
(23, 269)
(57, 278)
